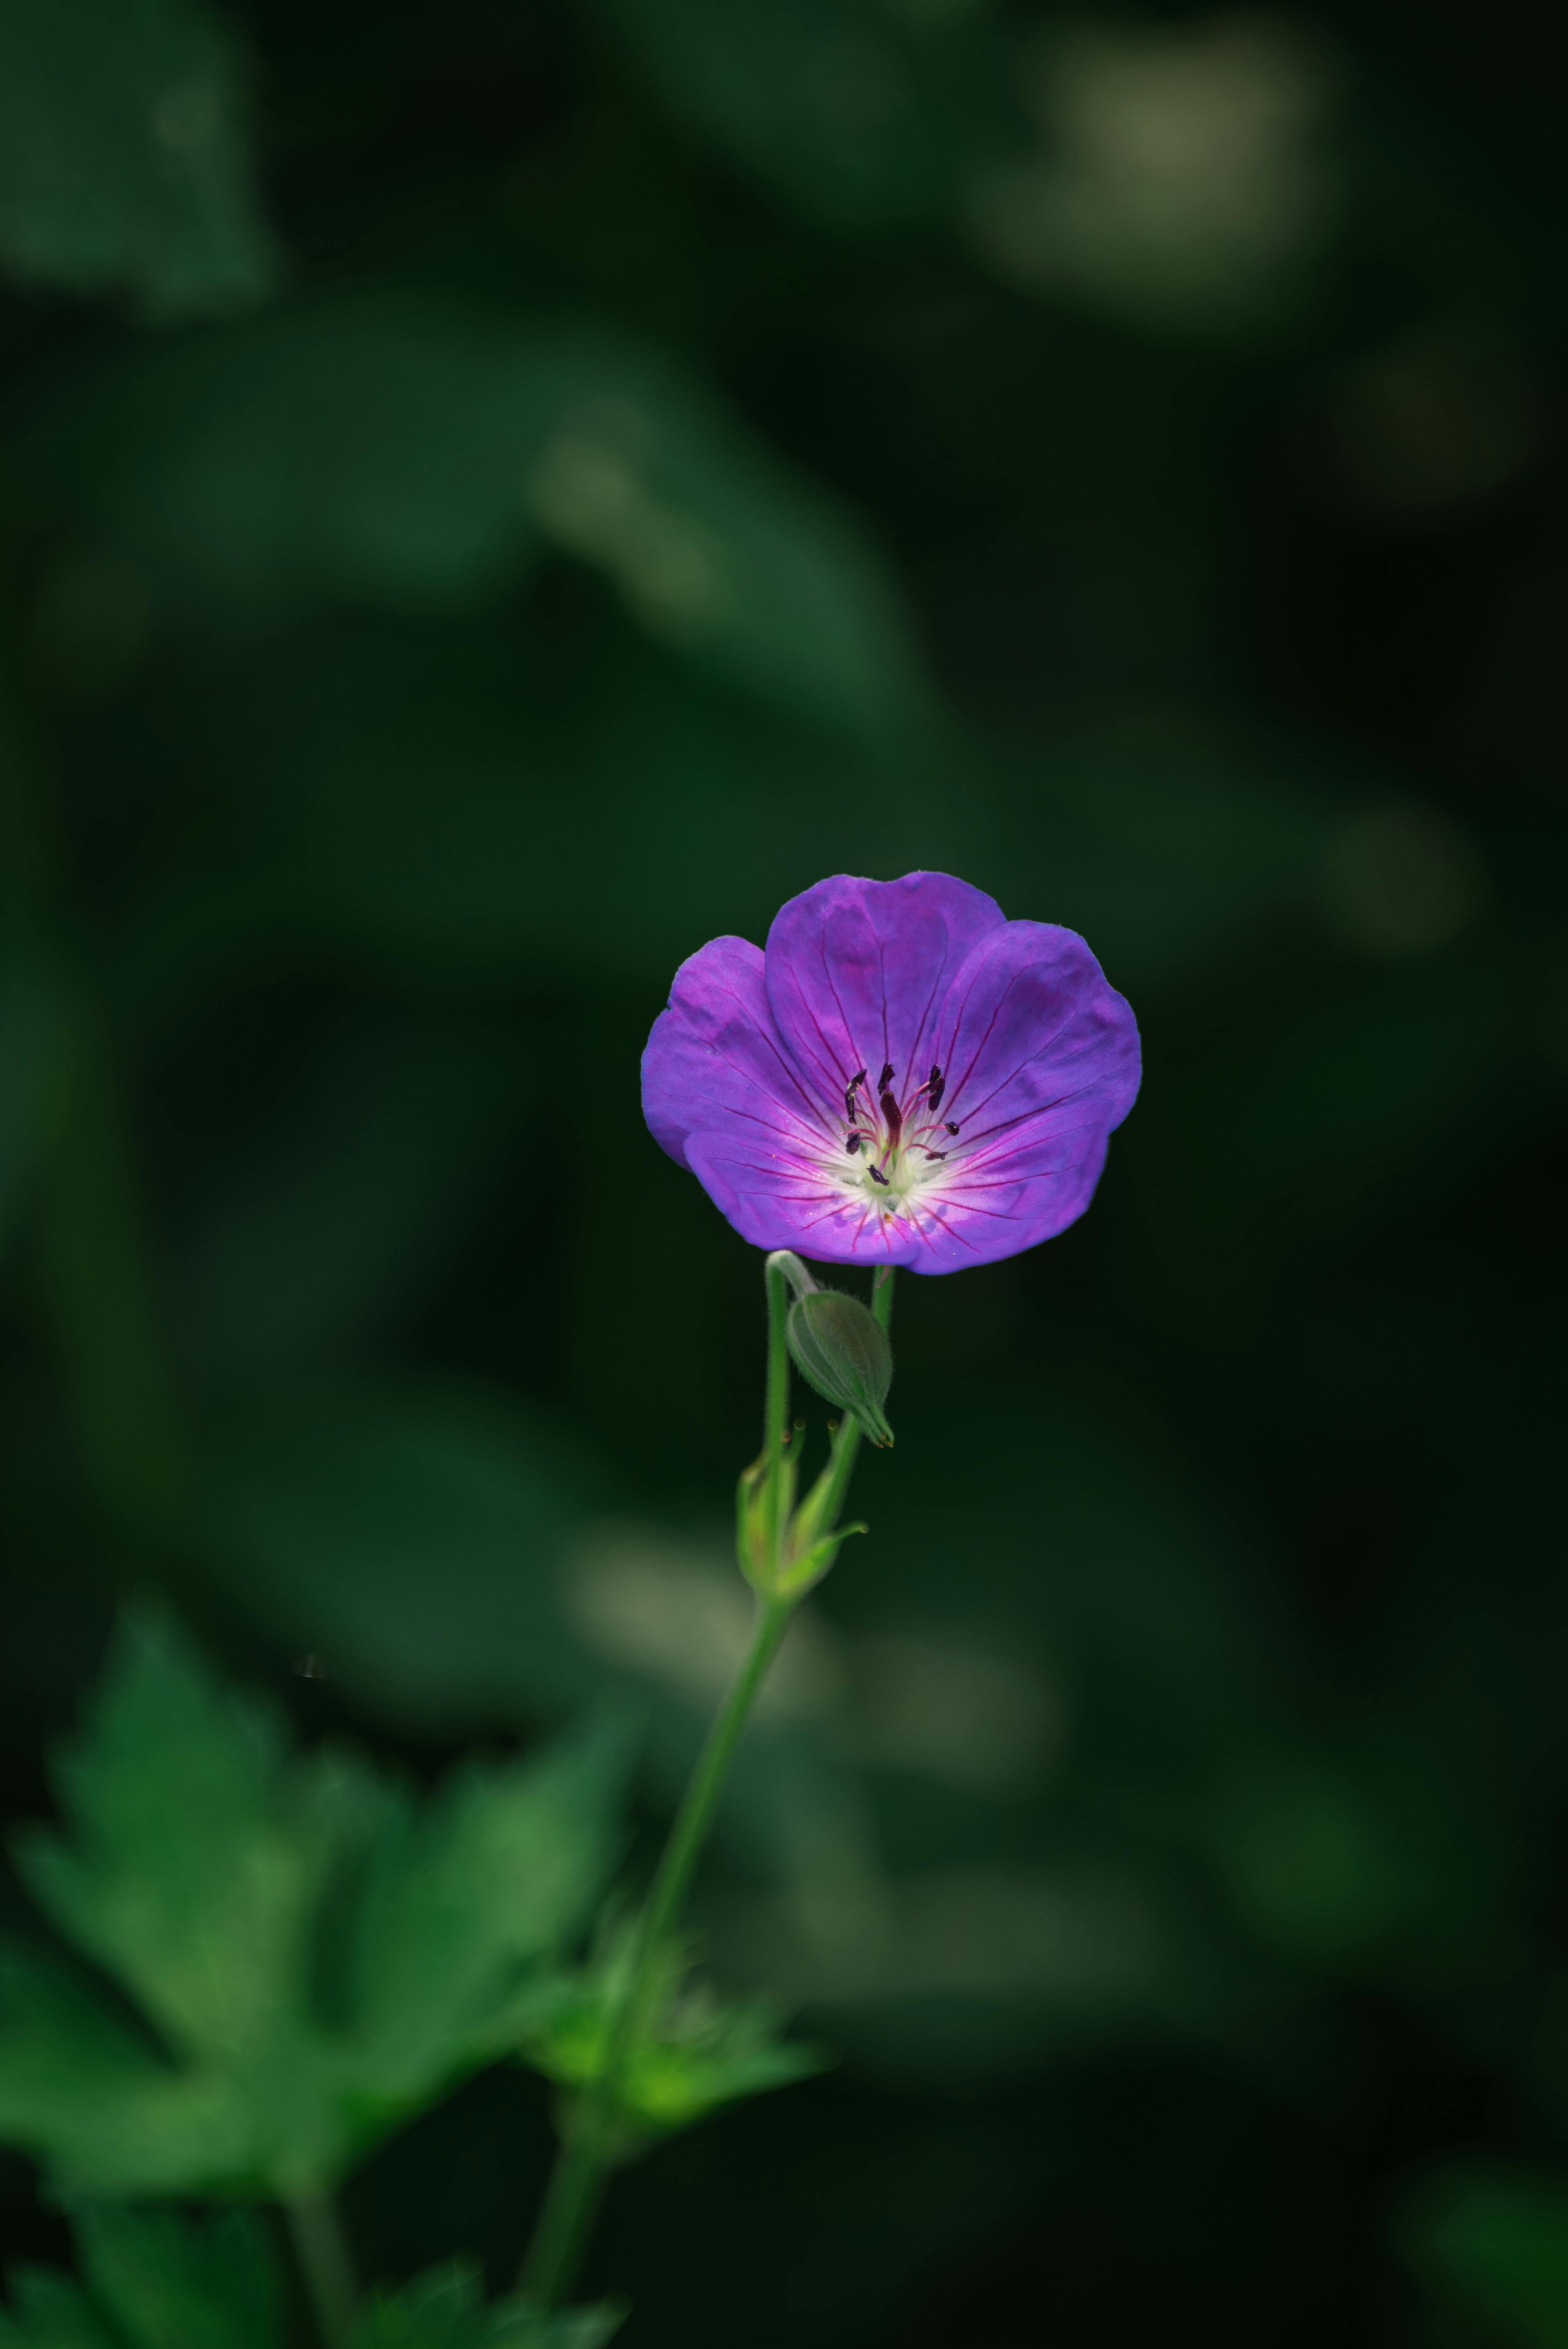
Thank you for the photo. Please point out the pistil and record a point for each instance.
(887, 1130)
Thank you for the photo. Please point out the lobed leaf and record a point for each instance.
(444, 2310)
(181, 2283)
(124, 165)
(154, 2280)
(50, 2312)
(463, 1899)
(862, 116)
(318, 1955)
(81, 2090)
(180, 1872)
(414, 453)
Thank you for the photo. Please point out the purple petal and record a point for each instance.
(744, 1076)
(776, 1199)
(858, 970)
(1043, 1064)
(714, 1057)
(980, 1221)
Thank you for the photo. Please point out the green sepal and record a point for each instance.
(840, 1346)
(752, 1516)
(799, 1574)
(692, 2053)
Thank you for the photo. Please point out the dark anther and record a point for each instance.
(936, 1154)
(893, 1114)
(886, 1077)
(951, 1127)
(877, 1177)
(851, 1090)
(852, 1145)
(936, 1088)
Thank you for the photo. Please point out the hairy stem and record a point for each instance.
(559, 2239)
(571, 2201)
(326, 2266)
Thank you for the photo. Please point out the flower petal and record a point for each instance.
(745, 1071)
(857, 971)
(999, 1212)
(778, 1199)
(1043, 1063)
(714, 1057)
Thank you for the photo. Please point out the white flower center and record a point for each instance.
(893, 1148)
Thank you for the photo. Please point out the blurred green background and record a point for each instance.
(494, 495)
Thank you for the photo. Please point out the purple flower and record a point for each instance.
(903, 1077)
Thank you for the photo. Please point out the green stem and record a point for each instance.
(847, 1443)
(555, 2254)
(775, 1410)
(321, 2248)
(577, 2182)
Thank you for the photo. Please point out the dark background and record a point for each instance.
(494, 495)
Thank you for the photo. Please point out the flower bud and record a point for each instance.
(843, 1351)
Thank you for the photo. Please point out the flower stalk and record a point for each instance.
(326, 2265)
(783, 1551)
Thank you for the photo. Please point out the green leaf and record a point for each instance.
(444, 2310)
(1493, 2244)
(863, 113)
(500, 1870)
(514, 2325)
(109, 2113)
(182, 1875)
(415, 453)
(368, 448)
(167, 2283)
(50, 2312)
(716, 547)
(181, 2284)
(123, 162)
(192, 1870)
(696, 2052)
(319, 1956)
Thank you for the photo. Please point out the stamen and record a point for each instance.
(935, 1087)
(936, 1154)
(951, 1127)
(877, 1176)
(886, 1077)
(852, 1145)
(854, 1084)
